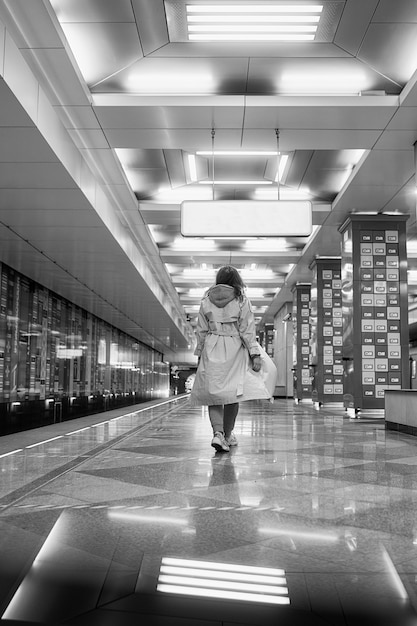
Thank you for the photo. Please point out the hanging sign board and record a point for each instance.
(247, 218)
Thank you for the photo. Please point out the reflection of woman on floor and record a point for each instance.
(226, 340)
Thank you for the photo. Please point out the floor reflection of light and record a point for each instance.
(298, 534)
(144, 517)
(395, 577)
(47, 552)
(223, 580)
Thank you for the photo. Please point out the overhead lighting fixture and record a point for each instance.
(283, 160)
(235, 182)
(252, 22)
(223, 580)
(192, 166)
(237, 152)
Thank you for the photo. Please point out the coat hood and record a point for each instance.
(220, 295)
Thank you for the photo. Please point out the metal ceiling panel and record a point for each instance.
(152, 26)
(377, 46)
(44, 199)
(186, 139)
(174, 160)
(354, 23)
(70, 90)
(319, 115)
(74, 117)
(295, 139)
(250, 49)
(397, 140)
(22, 145)
(170, 116)
(36, 28)
(391, 168)
(398, 11)
(403, 119)
(185, 76)
(91, 139)
(103, 49)
(35, 176)
(146, 182)
(20, 79)
(317, 75)
(48, 219)
(93, 10)
(141, 158)
(2, 42)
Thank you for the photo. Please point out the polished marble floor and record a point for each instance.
(131, 518)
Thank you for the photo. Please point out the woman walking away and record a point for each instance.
(226, 342)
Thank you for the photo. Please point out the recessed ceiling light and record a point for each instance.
(244, 22)
(254, 8)
(237, 152)
(235, 182)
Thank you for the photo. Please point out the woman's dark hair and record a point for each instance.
(228, 275)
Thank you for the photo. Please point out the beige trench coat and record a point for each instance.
(225, 339)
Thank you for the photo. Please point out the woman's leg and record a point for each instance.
(216, 417)
(230, 414)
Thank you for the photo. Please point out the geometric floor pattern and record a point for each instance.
(132, 518)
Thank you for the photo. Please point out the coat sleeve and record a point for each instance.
(247, 327)
(201, 331)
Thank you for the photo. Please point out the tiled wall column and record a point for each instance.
(375, 311)
(302, 333)
(327, 335)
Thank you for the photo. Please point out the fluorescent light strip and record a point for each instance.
(42, 442)
(236, 153)
(218, 593)
(223, 580)
(213, 584)
(254, 8)
(192, 167)
(250, 28)
(9, 453)
(235, 182)
(236, 576)
(253, 19)
(223, 567)
(250, 37)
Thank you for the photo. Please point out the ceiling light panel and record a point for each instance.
(190, 20)
(241, 22)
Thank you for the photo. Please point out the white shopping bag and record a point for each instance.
(260, 385)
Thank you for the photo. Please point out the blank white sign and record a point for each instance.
(247, 218)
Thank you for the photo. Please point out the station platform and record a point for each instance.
(131, 517)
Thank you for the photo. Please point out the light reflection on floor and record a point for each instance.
(310, 520)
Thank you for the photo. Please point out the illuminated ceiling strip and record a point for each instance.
(213, 584)
(236, 182)
(249, 28)
(250, 37)
(223, 580)
(215, 574)
(223, 567)
(237, 152)
(254, 8)
(192, 166)
(218, 593)
(253, 19)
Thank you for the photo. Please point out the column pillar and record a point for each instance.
(302, 333)
(327, 331)
(375, 309)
